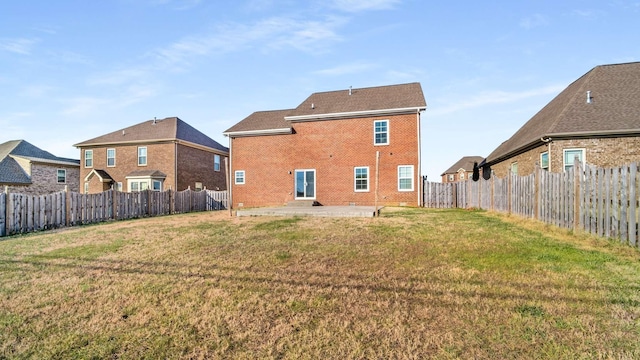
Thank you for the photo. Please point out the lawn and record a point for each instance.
(413, 283)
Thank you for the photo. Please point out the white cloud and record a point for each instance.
(364, 5)
(19, 46)
(492, 98)
(344, 69)
(36, 91)
(534, 21)
(85, 106)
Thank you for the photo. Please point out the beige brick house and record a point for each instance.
(27, 169)
(595, 119)
(345, 147)
(156, 154)
(461, 170)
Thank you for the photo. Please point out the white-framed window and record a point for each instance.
(88, 158)
(119, 186)
(514, 168)
(361, 179)
(216, 162)
(86, 187)
(462, 175)
(142, 156)
(62, 176)
(198, 186)
(452, 177)
(381, 132)
(239, 177)
(111, 157)
(156, 185)
(569, 156)
(544, 160)
(405, 178)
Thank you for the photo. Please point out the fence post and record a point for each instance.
(577, 170)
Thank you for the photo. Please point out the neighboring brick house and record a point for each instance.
(461, 170)
(596, 119)
(27, 169)
(325, 150)
(156, 154)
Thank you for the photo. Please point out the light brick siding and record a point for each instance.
(456, 176)
(333, 148)
(44, 178)
(193, 165)
(602, 152)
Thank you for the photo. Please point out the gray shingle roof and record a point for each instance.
(465, 163)
(171, 128)
(614, 110)
(12, 172)
(390, 97)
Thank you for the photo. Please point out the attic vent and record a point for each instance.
(154, 120)
(349, 90)
(122, 132)
(313, 106)
(588, 97)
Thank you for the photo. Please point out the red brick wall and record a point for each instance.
(333, 148)
(196, 165)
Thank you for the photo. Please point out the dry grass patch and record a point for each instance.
(413, 283)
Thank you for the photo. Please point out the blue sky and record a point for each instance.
(71, 70)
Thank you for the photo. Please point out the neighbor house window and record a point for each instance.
(62, 176)
(156, 185)
(544, 160)
(514, 168)
(452, 177)
(86, 188)
(239, 176)
(461, 176)
(216, 162)
(88, 158)
(361, 175)
(142, 156)
(111, 157)
(570, 155)
(198, 186)
(405, 178)
(381, 132)
(119, 186)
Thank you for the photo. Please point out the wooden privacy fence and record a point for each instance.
(601, 201)
(20, 213)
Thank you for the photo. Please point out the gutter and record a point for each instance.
(233, 134)
(352, 114)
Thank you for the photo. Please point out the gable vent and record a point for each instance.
(589, 97)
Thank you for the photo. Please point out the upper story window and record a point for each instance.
(570, 155)
(462, 175)
(239, 177)
(452, 177)
(216, 162)
(544, 160)
(62, 176)
(142, 156)
(381, 132)
(88, 158)
(514, 168)
(111, 157)
(405, 178)
(361, 179)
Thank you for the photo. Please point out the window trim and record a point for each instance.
(216, 164)
(235, 177)
(376, 133)
(58, 176)
(411, 177)
(355, 179)
(88, 152)
(564, 157)
(114, 157)
(146, 155)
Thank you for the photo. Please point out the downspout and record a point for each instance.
(175, 165)
(230, 180)
(548, 142)
(418, 174)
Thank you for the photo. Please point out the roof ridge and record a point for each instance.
(365, 88)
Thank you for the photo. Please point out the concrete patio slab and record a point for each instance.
(319, 211)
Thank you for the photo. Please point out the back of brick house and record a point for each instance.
(346, 147)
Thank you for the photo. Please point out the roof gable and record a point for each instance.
(612, 108)
(12, 173)
(466, 164)
(171, 128)
(261, 121)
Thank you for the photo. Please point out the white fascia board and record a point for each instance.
(46, 161)
(258, 132)
(362, 113)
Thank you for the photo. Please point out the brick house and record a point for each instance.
(345, 147)
(461, 170)
(596, 119)
(156, 154)
(27, 169)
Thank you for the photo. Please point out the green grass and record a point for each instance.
(413, 283)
